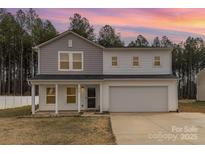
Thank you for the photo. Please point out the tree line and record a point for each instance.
(18, 62)
(20, 32)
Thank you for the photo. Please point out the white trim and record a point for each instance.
(172, 91)
(70, 53)
(56, 103)
(59, 52)
(101, 98)
(39, 70)
(79, 99)
(33, 98)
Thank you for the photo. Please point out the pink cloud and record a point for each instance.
(186, 20)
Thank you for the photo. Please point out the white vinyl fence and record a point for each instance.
(15, 101)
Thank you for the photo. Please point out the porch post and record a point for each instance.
(78, 97)
(56, 104)
(33, 98)
(101, 98)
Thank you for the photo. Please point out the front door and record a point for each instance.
(91, 97)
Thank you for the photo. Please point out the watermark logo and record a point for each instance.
(176, 133)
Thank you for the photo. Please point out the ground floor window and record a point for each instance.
(71, 95)
(50, 95)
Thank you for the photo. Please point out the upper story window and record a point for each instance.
(157, 61)
(70, 43)
(135, 61)
(64, 61)
(70, 61)
(114, 61)
(77, 60)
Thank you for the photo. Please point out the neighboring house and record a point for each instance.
(200, 95)
(77, 74)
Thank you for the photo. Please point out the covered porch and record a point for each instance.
(61, 96)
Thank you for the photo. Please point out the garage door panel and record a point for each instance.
(138, 99)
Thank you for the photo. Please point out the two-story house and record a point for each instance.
(77, 74)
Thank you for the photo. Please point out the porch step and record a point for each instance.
(53, 114)
(48, 114)
(88, 113)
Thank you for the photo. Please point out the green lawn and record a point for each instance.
(55, 130)
(193, 106)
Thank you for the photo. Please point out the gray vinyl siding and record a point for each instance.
(146, 60)
(93, 56)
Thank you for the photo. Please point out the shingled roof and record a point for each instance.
(100, 77)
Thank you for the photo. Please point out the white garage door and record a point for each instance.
(138, 99)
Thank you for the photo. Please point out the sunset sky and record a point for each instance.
(177, 24)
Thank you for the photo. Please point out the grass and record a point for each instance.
(193, 106)
(62, 130)
(13, 112)
(59, 130)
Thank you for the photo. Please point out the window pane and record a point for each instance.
(114, 58)
(71, 99)
(91, 92)
(50, 99)
(157, 60)
(114, 61)
(50, 91)
(70, 43)
(91, 102)
(157, 63)
(71, 91)
(64, 65)
(77, 57)
(64, 61)
(135, 61)
(77, 65)
(64, 57)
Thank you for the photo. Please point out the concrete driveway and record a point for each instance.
(158, 128)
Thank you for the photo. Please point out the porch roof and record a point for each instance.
(100, 77)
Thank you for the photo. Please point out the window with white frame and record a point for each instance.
(70, 43)
(71, 95)
(64, 61)
(77, 61)
(135, 61)
(157, 61)
(70, 61)
(50, 95)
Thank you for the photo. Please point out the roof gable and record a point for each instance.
(63, 35)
